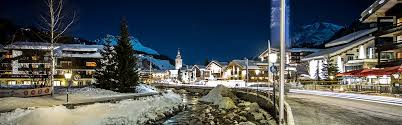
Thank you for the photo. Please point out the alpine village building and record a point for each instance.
(364, 55)
(28, 63)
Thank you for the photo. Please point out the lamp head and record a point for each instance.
(68, 75)
(273, 57)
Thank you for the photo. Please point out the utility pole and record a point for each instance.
(269, 52)
(246, 71)
(150, 71)
(282, 66)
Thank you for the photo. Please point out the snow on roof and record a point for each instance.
(221, 64)
(201, 67)
(303, 50)
(350, 37)
(28, 45)
(273, 50)
(80, 47)
(44, 45)
(378, 8)
(84, 55)
(251, 64)
(338, 49)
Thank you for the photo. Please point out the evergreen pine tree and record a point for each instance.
(329, 68)
(127, 75)
(106, 73)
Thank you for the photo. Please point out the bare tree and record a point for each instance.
(55, 22)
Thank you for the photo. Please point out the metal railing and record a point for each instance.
(288, 115)
(355, 88)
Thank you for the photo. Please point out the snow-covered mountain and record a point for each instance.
(158, 64)
(144, 54)
(134, 41)
(314, 35)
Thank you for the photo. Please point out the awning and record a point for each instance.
(373, 72)
(382, 72)
(350, 73)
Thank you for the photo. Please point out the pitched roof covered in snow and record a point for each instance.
(338, 49)
(201, 67)
(85, 51)
(251, 64)
(350, 37)
(303, 50)
(28, 45)
(80, 47)
(378, 8)
(220, 64)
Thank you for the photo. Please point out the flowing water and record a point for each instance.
(183, 118)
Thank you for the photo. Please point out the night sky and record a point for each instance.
(213, 29)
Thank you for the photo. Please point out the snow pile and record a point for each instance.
(142, 88)
(89, 91)
(221, 96)
(124, 112)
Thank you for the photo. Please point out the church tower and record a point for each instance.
(179, 61)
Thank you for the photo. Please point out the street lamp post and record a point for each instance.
(282, 66)
(67, 76)
(273, 58)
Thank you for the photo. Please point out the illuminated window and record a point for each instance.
(35, 57)
(91, 64)
(65, 63)
(27, 82)
(12, 82)
(8, 56)
(90, 72)
(399, 55)
(56, 83)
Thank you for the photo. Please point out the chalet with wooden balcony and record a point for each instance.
(387, 16)
(30, 63)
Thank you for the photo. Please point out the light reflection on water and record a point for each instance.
(183, 118)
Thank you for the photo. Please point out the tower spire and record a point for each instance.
(179, 61)
(178, 54)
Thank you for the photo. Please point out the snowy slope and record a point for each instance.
(134, 41)
(156, 63)
(314, 35)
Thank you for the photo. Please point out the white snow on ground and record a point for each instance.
(220, 96)
(124, 112)
(89, 91)
(142, 88)
(76, 95)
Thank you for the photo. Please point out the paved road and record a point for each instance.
(324, 110)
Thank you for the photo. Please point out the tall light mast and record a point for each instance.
(283, 32)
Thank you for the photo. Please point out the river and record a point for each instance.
(183, 118)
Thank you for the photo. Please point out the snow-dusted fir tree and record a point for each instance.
(127, 75)
(329, 68)
(106, 73)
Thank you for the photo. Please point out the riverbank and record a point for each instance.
(227, 110)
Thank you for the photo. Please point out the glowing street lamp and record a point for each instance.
(331, 77)
(273, 57)
(67, 76)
